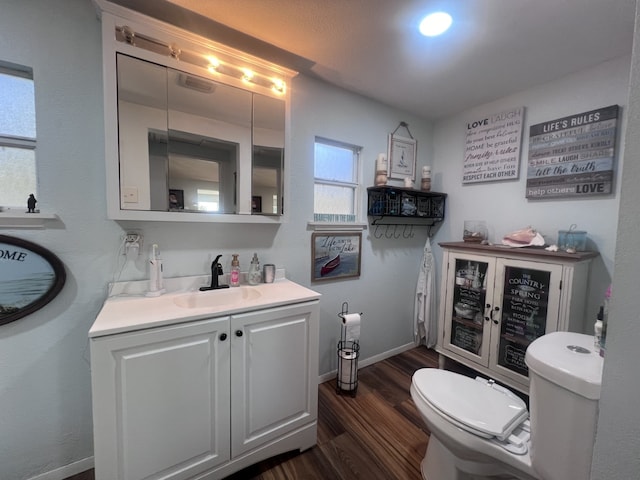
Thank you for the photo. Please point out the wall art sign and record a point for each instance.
(402, 157)
(573, 156)
(492, 147)
(30, 277)
(335, 255)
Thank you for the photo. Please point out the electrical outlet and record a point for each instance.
(132, 242)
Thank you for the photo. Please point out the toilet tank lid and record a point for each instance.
(569, 360)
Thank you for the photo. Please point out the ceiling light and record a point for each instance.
(435, 24)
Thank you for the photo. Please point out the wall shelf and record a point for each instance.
(18, 218)
(389, 205)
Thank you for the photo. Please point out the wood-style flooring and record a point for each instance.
(376, 434)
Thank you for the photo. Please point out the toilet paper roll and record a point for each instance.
(348, 369)
(351, 321)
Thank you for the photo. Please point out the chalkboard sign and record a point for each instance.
(30, 277)
(469, 295)
(524, 314)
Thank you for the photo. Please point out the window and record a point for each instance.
(336, 181)
(17, 135)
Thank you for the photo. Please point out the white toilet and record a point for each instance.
(480, 430)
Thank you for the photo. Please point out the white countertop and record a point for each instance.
(131, 310)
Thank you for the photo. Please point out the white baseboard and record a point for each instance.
(369, 361)
(67, 471)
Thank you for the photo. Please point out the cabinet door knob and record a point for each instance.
(238, 333)
(495, 310)
(487, 312)
(223, 337)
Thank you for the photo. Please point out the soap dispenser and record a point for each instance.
(156, 284)
(234, 279)
(255, 277)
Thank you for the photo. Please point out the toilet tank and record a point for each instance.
(565, 372)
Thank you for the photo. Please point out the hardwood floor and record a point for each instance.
(376, 434)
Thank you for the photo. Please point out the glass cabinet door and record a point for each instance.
(528, 296)
(467, 324)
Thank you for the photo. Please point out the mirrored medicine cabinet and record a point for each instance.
(185, 142)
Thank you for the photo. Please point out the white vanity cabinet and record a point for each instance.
(496, 300)
(205, 398)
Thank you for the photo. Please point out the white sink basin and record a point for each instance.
(226, 297)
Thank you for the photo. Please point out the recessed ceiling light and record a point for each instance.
(435, 24)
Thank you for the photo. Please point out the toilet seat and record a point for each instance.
(477, 406)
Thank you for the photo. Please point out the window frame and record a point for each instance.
(17, 141)
(356, 185)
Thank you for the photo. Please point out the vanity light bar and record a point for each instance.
(211, 63)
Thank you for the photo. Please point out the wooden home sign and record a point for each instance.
(30, 277)
(573, 156)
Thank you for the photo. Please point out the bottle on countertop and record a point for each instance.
(156, 283)
(254, 275)
(605, 318)
(234, 277)
(597, 330)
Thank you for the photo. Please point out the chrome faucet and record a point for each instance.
(216, 269)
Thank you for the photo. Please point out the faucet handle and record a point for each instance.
(219, 269)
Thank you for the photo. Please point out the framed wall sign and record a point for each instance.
(574, 156)
(30, 277)
(402, 157)
(335, 255)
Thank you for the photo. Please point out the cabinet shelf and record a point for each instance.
(404, 206)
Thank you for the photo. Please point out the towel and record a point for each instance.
(425, 317)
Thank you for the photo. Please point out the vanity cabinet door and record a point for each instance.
(274, 374)
(161, 401)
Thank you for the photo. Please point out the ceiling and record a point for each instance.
(372, 47)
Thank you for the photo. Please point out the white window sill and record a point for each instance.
(336, 227)
(18, 218)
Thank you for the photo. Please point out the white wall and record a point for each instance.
(45, 396)
(503, 204)
(618, 439)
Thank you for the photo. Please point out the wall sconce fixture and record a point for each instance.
(219, 64)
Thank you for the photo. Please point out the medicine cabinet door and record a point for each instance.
(467, 323)
(528, 296)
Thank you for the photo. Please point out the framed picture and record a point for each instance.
(256, 204)
(176, 199)
(402, 157)
(335, 255)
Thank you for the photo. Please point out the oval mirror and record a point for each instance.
(30, 277)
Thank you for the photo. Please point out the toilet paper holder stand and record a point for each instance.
(348, 353)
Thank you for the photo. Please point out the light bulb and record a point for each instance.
(214, 63)
(247, 75)
(278, 85)
(435, 24)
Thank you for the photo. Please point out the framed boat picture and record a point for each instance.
(30, 277)
(335, 255)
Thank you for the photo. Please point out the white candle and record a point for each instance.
(381, 163)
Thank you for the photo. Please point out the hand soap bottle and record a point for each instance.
(255, 277)
(234, 279)
(156, 284)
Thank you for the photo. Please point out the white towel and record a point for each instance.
(425, 317)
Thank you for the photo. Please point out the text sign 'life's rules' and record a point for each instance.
(573, 156)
